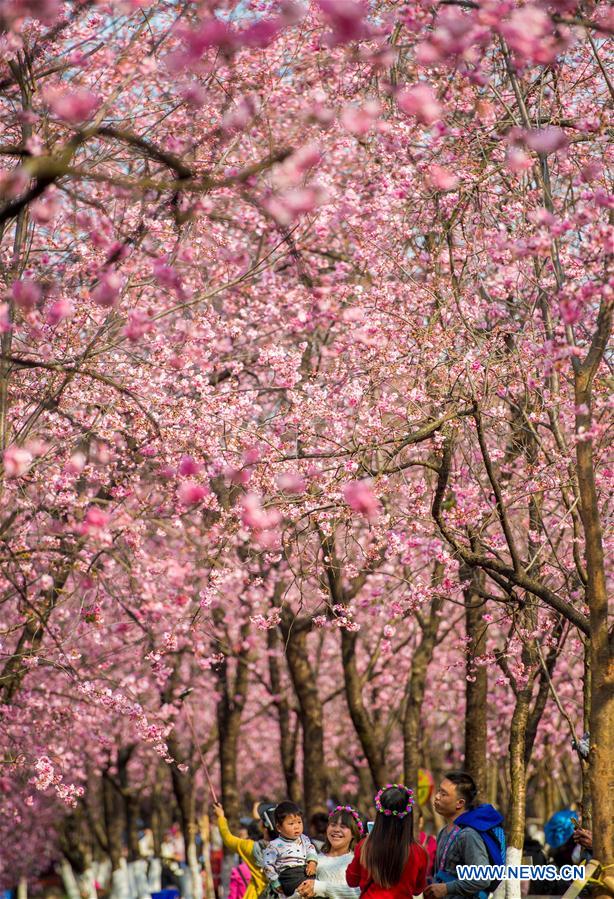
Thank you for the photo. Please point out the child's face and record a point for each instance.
(291, 827)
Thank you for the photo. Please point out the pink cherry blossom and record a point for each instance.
(106, 292)
(359, 120)
(191, 493)
(59, 311)
(45, 210)
(546, 140)
(291, 482)
(13, 181)
(188, 466)
(254, 515)
(17, 461)
(139, 324)
(347, 19)
(360, 498)
(166, 275)
(441, 178)
(73, 106)
(26, 293)
(5, 321)
(517, 160)
(95, 521)
(525, 28)
(420, 101)
(76, 463)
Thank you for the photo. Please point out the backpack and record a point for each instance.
(487, 821)
(494, 841)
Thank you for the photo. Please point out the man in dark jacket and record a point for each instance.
(466, 839)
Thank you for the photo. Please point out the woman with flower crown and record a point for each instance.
(389, 864)
(344, 831)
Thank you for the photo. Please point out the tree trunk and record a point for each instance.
(183, 788)
(369, 729)
(113, 820)
(20, 254)
(87, 884)
(159, 820)
(120, 886)
(229, 711)
(287, 735)
(131, 802)
(416, 688)
(71, 887)
(586, 804)
(476, 711)
(154, 874)
(228, 729)
(369, 734)
(315, 778)
(518, 794)
(205, 835)
(601, 756)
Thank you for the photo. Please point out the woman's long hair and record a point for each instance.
(385, 851)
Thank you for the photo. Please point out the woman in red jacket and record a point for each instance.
(388, 864)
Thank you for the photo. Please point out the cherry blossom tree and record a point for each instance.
(303, 408)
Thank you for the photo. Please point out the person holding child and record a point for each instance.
(389, 864)
(344, 831)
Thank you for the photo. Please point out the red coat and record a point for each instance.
(412, 882)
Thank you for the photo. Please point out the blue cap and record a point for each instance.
(559, 828)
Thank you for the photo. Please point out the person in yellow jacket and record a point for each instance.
(250, 851)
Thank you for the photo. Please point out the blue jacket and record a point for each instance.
(472, 845)
(484, 818)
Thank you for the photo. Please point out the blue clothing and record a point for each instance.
(467, 842)
(559, 828)
(485, 818)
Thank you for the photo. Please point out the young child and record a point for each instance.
(388, 864)
(289, 859)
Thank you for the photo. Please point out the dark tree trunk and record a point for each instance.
(476, 710)
(131, 802)
(369, 728)
(601, 756)
(75, 841)
(113, 813)
(416, 687)
(287, 734)
(159, 820)
(368, 731)
(315, 778)
(586, 805)
(183, 790)
(229, 711)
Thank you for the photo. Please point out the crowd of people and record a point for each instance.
(344, 856)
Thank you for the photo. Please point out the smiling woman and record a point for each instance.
(344, 831)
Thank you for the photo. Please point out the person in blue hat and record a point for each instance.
(559, 828)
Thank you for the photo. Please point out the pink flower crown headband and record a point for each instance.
(352, 812)
(389, 811)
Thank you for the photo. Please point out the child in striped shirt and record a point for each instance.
(289, 859)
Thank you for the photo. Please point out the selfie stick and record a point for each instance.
(183, 696)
